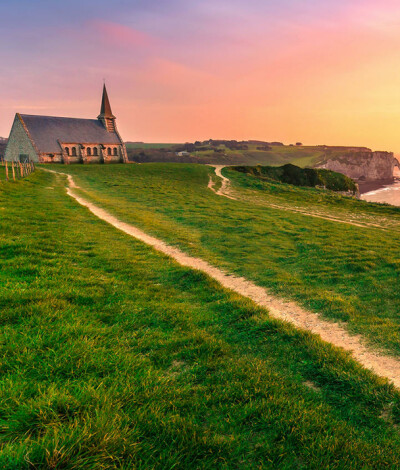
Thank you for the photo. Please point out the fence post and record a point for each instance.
(20, 169)
(6, 171)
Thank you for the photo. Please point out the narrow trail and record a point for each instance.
(381, 364)
(225, 191)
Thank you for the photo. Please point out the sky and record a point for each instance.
(318, 72)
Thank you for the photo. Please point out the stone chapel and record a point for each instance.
(48, 139)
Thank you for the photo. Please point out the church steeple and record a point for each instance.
(106, 116)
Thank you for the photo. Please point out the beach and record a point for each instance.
(383, 193)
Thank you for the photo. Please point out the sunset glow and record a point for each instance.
(320, 72)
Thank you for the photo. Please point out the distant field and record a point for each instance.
(303, 156)
(278, 155)
(348, 273)
(140, 145)
(113, 356)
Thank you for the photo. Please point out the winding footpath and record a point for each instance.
(381, 364)
(226, 191)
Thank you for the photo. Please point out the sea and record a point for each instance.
(388, 192)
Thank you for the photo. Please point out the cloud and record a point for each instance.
(118, 34)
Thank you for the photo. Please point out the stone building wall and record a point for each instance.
(50, 158)
(84, 156)
(19, 144)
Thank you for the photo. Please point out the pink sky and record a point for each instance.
(322, 72)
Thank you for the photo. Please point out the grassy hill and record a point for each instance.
(333, 268)
(113, 356)
(236, 153)
(297, 176)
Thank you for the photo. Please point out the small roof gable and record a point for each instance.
(46, 131)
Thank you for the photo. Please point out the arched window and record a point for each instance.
(95, 152)
(89, 151)
(67, 150)
(74, 151)
(115, 151)
(109, 151)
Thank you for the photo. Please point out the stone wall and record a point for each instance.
(364, 166)
(50, 158)
(19, 143)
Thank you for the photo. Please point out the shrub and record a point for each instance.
(292, 174)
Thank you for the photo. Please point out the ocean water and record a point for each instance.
(389, 194)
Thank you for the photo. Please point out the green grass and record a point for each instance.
(113, 356)
(345, 272)
(294, 175)
(10, 175)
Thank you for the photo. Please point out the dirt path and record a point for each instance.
(224, 189)
(226, 192)
(382, 365)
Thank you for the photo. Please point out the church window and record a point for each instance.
(109, 151)
(67, 150)
(115, 151)
(89, 151)
(74, 151)
(95, 152)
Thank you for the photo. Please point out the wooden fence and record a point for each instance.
(17, 170)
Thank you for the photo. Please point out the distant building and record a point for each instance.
(182, 154)
(48, 139)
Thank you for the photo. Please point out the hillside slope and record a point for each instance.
(294, 175)
(309, 245)
(116, 357)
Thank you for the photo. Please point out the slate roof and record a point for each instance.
(46, 130)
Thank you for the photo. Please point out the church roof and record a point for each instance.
(105, 110)
(46, 131)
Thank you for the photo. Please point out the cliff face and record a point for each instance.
(364, 166)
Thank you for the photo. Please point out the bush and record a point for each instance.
(292, 174)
